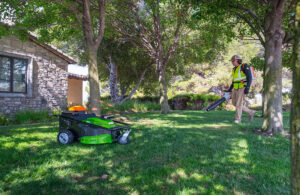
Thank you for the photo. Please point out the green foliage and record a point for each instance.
(286, 98)
(4, 120)
(194, 97)
(257, 63)
(190, 100)
(130, 62)
(148, 98)
(190, 104)
(129, 106)
(30, 116)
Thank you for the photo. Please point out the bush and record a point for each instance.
(193, 101)
(108, 107)
(195, 97)
(148, 99)
(30, 116)
(4, 120)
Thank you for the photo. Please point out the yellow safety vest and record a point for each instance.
(238, 78)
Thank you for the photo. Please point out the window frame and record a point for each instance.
(11, 80)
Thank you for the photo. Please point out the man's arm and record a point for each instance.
(230, 88)
(247, 71)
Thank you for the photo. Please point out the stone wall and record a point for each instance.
(48, 85)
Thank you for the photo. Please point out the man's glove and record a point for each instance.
(246, 91)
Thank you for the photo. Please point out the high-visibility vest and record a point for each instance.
(239, 78)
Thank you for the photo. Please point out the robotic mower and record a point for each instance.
(87, 128)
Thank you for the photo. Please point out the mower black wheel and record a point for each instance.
(124, 142)
(65, 137)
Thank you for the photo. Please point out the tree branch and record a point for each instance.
(174, 46)
(281, 4)
(262, 2)
(72, 8)
(87, 23)
(142, 31)
(137, 85)
(252, 27)
(102, 5)
(249, 11)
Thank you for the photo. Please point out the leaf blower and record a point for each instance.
(220, 101)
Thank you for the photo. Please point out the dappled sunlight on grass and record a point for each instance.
(239, 151)
(185, 152)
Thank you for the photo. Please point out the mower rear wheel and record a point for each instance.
(65, 137)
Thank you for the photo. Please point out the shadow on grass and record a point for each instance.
(190, 152)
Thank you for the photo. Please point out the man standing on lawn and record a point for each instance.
(241, 82)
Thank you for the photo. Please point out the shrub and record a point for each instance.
(30, 116)
(191, 101)
(148, 99)
(108, 107)
(4, 120)
(195, 97)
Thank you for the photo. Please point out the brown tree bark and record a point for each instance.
(295, 113)
(163, 90)
(113, 80)
(274, 35)
(94, 81)
(92, 43)
(93, 34)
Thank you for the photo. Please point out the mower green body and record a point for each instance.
(97, 139)
(89, 129)
(100, 122)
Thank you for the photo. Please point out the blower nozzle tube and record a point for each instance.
(217, 103)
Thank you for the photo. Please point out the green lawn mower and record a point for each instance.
(89, 129)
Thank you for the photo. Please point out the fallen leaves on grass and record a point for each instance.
(133, 110)
(104, 176)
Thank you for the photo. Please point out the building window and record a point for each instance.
(13, 73)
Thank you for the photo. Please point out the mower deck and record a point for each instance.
(72, 126)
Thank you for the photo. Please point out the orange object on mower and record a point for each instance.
(77, 108)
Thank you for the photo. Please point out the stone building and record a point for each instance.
(33, 76)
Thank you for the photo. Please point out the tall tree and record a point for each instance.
(156, 26)
(265, 19)
(295, 113)
(62, 19)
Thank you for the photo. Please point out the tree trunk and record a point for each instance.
(295, 113)
(116, 97)
(135, 87)
(163, 91)
(113, 81)
(273, 68)
(94, 81)
(264, 98)
(92, 45)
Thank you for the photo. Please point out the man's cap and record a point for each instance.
(236, 57)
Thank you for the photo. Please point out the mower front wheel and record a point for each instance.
(65, 137)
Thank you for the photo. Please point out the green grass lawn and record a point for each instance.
(185, 152)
